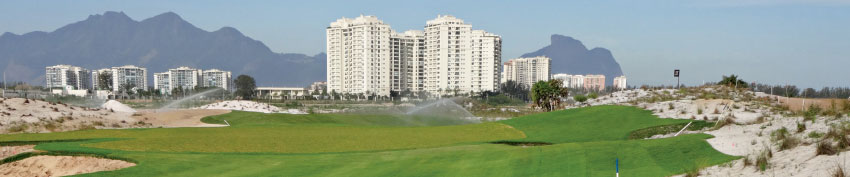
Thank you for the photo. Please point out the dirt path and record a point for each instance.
(180, 118)
(60, 166)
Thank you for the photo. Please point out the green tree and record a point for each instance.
(514, 90)
(548, 94)
(245, 86)
(104, 81)
(732, 81)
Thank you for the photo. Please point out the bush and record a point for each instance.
(724, 122)
(502, 100)
(762, 160)
(801, 127)
(825, 148)
(580, 98)
(789, 143)
(592, 95)
(815, 135)
(699, 110)
(838, 172)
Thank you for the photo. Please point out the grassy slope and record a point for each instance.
(573, 155)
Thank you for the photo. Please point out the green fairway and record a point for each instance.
(586, 143)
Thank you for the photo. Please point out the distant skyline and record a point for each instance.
(805, 43)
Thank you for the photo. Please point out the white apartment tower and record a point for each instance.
(367, 56)
(184, 77)
(217, 78)
(125, 76)
(68, 77)
(453, 51)
(358, 52)
(408, 61)
(527, 71)
(162, 82)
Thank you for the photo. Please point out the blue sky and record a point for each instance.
(806, 43)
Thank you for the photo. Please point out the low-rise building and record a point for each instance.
(281, 92)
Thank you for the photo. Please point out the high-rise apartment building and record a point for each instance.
(408, 61)
(189, 78)
(358, 52)
(217, 78)
(367, 56)
(68, 77)
(127, 76)
(527, 71)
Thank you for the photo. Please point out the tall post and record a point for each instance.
(676, 74)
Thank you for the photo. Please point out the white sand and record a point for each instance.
(250, 106)
(60, 166)
(117, 106)
(19, 115)
(9, 151)
(180, 118)
(748, 138)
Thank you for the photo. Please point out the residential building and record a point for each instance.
(527, 71)
(162, 82)
(358, 52)
(320, 86)
(452, 57)
(120, 76)
(217, 78)
(596, 82)
(408, 61)
(281, 92)
(367, 56)
(95, 79)
(620, 82)
(485, 72)
(68, 77)
(576, 81)
(565, 79)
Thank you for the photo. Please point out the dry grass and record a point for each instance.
(838, 171)
(825, 148)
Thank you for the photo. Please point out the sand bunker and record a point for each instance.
(250, 106)
(180, 118)
(117, 106)
(60, 166)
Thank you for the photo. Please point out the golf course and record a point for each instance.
(575, 142)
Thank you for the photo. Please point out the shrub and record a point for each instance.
(762, 160)
(779, 134)
(670, 106)
(724, 122)
(699, 110)
(580, 98)
(592, 95)
(825, 148)
(801, 127)
(716, 111)
(815, 135)
(789, 143)
(838, 172)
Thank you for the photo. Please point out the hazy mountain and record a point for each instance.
(158, 43)
(572, 57)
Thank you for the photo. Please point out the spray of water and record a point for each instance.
(444, 111)
(173, 104)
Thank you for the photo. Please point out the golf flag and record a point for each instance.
(617, 165)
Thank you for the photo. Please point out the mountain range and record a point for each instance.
(167, 41)
(570, 56)
(158, 43)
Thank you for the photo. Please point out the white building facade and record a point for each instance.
(162, 82)
(129, 76)
(217, 78)
(620, 82)
(358, 52)
(366, 56)
(68, 77)
(527, 71)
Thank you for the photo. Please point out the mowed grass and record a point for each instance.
(407, 153)
(597, 123)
